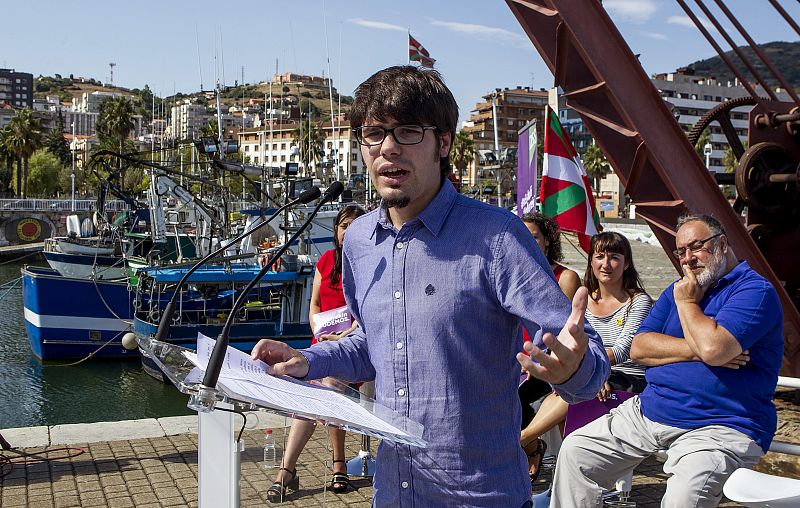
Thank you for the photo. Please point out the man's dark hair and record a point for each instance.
(409, 95)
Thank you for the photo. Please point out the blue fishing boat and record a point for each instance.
(69, 318)
(276, 309)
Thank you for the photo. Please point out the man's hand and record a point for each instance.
(282, 359)
(687, 290)
(566, 350)
(738, 361)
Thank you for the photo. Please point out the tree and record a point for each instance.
(310, 140)
(702, 141)
(24, 138)
(463, 153)
(7, 159)
(114, 125)
(43, 178)
(55, 143)
(595, 164)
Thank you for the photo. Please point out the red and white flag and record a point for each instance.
(566, 192)
(417, 53)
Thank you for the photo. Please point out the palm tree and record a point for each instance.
(462, 154)
(310, 140)
(115, 122)
(7, 158)
(24, 138)
(114, 125)
(595, 164)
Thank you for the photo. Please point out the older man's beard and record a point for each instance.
(714, 268)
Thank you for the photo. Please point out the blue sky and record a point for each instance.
(478, 45)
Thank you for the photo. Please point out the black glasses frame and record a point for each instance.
(695, 246)
(358, 133)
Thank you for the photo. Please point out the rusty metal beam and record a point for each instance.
(605, 83)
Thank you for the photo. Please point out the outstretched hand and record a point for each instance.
(282, 359)
(566, 350)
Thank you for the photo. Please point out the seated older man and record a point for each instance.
(713, 344)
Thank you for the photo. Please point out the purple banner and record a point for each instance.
(526, 169)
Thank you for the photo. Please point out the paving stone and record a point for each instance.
(144, 497)
(67, 501)
(121, 502)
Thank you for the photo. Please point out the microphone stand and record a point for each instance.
(205, 399)
(169, 310)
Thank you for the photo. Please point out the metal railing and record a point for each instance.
(57, 205)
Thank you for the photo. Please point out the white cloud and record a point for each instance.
(380, 25)
(637, 11)
(654, 35)
(498, 34)
(688, 23)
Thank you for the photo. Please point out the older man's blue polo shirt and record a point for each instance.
(440, 304)
(690, 395)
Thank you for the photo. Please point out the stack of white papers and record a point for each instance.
(246, 378)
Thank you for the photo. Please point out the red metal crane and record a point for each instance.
(606, 85)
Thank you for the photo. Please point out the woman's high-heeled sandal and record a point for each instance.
(535, 459)
(278, 491)
(339, 481)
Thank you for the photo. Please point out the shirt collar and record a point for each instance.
(731, 276)
(433, 216)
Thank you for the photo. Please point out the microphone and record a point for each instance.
(205, 399)
(165, 323)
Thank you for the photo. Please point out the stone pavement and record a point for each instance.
(161, 471)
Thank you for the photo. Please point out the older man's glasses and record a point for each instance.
(373, 135)
(695, 246)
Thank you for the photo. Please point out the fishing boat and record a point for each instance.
(68, 318)
(277, 308)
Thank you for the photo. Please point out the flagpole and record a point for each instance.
(408, 43)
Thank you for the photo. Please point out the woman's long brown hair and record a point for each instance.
(349, 211)
(615, 243)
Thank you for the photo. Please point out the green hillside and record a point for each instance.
(785, 56)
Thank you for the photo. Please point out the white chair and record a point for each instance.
(753, 489)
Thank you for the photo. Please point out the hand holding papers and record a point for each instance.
(331, 322)
(243, 378)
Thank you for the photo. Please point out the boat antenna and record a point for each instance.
(334, 129)
(199, 64)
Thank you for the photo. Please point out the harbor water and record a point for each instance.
(32, 393)
(53, 393)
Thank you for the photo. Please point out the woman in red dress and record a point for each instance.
(326, 294)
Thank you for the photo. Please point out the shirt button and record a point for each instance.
(399, 345)
(401, 392)
(399, 245)
(398, 294)
(404, 485)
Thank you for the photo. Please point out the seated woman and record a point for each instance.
(547, 235)
(617, 306)
(326, 294)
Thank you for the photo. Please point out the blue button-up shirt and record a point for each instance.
(440, 304)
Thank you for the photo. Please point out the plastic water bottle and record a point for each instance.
(269, 450)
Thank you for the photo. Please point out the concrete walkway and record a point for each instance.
(153, 463)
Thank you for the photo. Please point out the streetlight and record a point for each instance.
(707, 149)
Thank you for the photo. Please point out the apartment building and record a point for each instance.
(16, 88)
(89, 102)
(274, 148)
(186, 120)
(515, 107)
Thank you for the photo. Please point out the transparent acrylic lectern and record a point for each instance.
(245, 386)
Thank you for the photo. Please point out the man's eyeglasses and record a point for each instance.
(373, 135)
(695, 246)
